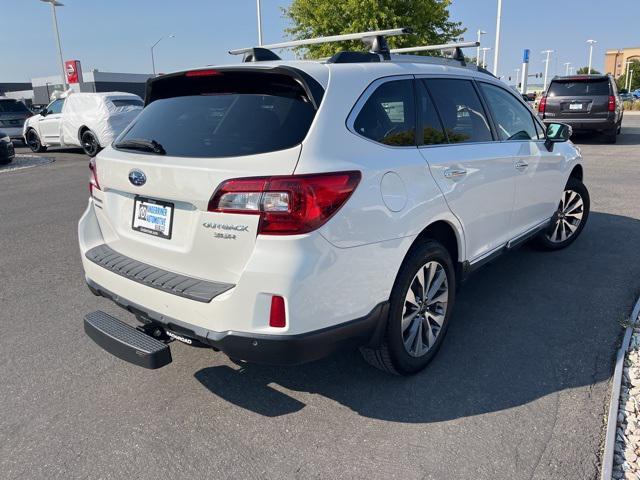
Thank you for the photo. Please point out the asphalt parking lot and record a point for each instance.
(518, 391)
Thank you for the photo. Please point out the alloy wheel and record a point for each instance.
(425, 308)
(89, 144)
(33, 141)
(568, 217)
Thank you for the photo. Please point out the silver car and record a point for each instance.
(13, 114)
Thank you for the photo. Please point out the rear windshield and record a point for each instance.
(579, 88)
(224, 114)
(128, 103)
(13, 106)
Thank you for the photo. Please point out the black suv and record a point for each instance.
(586, 102)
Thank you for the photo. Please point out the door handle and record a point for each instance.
(454, 172)
(521, 165)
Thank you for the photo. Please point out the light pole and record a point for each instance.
(54, 4)
(546, 68)
(497, 45)
(153, 60)
(591, 44)
(566, 67)
(480, 33)
(259, 22)
(484, 56)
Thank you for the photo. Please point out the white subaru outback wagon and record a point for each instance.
(280, 210)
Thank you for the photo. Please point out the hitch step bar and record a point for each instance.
(125, 341)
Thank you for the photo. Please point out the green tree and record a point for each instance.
(634, 67)
(585, 71)
(429, 20)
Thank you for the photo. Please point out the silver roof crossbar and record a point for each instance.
(367, 37)
(456, 47)
(429, 48)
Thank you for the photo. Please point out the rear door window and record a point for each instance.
(432, 130)
(388, 116)
(579, 88)
(13, 106)
(224, 114)
(460, 108)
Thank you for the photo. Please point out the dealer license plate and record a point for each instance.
(152, 216)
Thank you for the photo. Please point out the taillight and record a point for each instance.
(542, 106)
(612, 103)
(277, 314)
(203, 73)
(287, 205)
(93, 176)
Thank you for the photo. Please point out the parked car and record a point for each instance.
(7, 153)
(87, 120)
(265, 211)
(529, 98)
(627, 97)
(586, 102)
(13, 114)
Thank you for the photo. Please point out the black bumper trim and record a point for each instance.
(192, 288)
(269, 349)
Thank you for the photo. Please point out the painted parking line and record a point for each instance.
(25, 161)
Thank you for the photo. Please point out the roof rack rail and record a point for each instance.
(456, 47)
(375, 40)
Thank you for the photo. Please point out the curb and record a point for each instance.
(612, 420)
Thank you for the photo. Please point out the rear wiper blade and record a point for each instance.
(142, 144)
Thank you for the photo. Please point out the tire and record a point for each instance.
(611, 136)
(90, 143)
(34, 143)
(572, 212)
(397, 353)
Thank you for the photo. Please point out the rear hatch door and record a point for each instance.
(196, 131)
(578, 97)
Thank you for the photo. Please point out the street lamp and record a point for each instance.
(259, 22)
(497, 44)
(480, 33)
(546, 68)
(153, 60)
(484, 56)
(627, 84)
(54, 4)
(591, 44)
(566, 66)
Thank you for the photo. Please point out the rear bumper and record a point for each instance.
(15, 133)
(584, 123)
(260, 348)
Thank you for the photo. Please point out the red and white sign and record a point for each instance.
(73, 70)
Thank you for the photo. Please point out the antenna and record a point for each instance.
(375, 40)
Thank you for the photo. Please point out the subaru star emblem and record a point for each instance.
(137, 177)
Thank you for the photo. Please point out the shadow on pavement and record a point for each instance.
(629, 135)
(528, 325)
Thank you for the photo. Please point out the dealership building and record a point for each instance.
(615, 60)
(91, 81)
(40, 90)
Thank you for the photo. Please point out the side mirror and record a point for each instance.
(556, 133)
(44, 111)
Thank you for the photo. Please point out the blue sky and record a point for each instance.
(115, 35)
